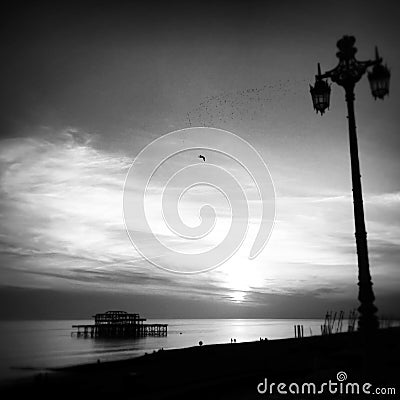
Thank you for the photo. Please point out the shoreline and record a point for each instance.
(232, 370)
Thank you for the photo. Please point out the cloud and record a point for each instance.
(62, 199)
(62, 229)
(62, 225)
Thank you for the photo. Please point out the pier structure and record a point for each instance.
(119, 324)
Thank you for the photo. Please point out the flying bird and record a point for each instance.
(202, 157)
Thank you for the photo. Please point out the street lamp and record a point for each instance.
(320, 93)
(379, 78)
(346, 74)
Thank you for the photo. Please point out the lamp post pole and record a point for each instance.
(346, 74)
(368, 320)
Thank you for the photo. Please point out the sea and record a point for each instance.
(29, 347)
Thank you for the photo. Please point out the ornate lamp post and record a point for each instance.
(346, 74)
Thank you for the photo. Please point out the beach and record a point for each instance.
(234, 370)
(29, 347)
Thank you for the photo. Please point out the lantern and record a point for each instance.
(320, 95)
(379, 79)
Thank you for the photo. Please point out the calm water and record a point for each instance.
(27, 347)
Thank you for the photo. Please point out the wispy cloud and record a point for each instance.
(62, 226)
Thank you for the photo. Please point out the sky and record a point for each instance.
(86, 86)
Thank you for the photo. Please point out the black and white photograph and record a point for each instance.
(200, 199)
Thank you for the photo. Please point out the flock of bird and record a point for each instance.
(241, 105)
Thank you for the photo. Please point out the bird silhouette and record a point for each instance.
(202, 157)
(242, 105)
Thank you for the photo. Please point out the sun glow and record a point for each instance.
(238, 297)
(240, 279)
